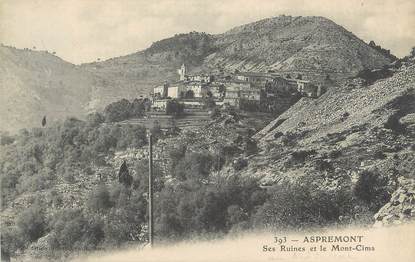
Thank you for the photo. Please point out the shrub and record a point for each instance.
(394, 124)
(344, 116)
(122, 224)
(235, 215)
(372, 188)
(290, 139)
(379, 155)
(31, 223)
(176, 153)
(230, 151)
(11, 241)
(335, 153)
(298, 157)
(323, 165)
(250, 147)
(192, 207)
(240, 164)
(194, 166)
(278, 135)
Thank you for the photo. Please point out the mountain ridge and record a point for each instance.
(283, 44)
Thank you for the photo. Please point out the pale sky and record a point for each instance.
(84, 30)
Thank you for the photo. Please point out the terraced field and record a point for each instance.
(190, 120)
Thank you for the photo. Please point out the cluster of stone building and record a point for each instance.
(233, 90)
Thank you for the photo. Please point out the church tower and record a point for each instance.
(182, 72)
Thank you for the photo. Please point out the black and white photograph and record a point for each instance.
(207, 130)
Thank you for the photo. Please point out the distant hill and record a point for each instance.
(295, 44)
(36, 83)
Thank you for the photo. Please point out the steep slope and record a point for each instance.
(344, 107)
(35, 83)
(345, 132)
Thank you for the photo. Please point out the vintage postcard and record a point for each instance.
(207, 130)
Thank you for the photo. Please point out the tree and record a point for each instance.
(189, 94)
(194, 166)
(95, 119)
(137, 108)
(117, 111)
(44, 121)
(124, 176)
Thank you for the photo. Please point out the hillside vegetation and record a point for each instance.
(336, 160)
(62, 191)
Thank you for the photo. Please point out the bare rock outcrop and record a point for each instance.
(401, 207)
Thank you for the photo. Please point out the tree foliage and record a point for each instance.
(124, 109)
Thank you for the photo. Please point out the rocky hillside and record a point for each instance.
(347, 107)
(295, 44)
(401, 207)
(352, 133)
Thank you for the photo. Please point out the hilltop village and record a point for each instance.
(250, 91)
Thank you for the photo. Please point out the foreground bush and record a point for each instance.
(303, 204)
